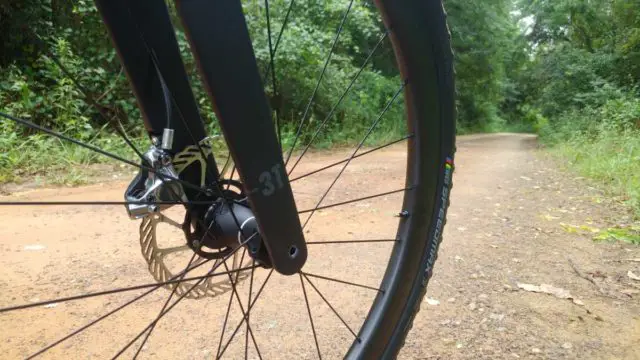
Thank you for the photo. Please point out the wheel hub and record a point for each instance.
(214, 231)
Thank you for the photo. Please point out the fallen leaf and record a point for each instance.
(557, 292)
(550, 217)
(432, 301)
(578, 302)
(551, 290)
(529, 287)
(630, 291)
(633, 276)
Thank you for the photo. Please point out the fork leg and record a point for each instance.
(220, 41)
(136, 29)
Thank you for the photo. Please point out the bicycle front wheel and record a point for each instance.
(372, 229)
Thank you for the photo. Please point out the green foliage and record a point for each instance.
(607, 150)
(567, 69)
(487, 46)
(626, 234)
(581, 87)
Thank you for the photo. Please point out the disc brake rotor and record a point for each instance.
(156, 256)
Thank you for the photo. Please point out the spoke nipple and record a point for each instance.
(403, 214)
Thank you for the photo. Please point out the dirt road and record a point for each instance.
(517, 225)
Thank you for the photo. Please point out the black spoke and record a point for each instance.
(208, 169)
(354, 200)
(284, 25)
(166, 303)
(117, 125)
(342, 281)
(371, 128)
(351, 241)
(175, 103)
(246, 337)
(244, 313)
(313, 328)
(347, 159)
(100, 151)
(221, 352)
(162, 314)
(272, 66)
(226, 316)
(337, 104)
(83, 203)
(224, 324)
(315, 90)
(155, 286)
(332, 308)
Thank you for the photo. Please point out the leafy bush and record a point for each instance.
(602, 142)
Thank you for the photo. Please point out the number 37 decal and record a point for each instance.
(272, 180)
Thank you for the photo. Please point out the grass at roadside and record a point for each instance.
(610, 158)
(52, 161)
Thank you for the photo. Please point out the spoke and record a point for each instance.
(355, 200)
(350, 242)
(373, 126)
(331, 307)
(347, 159)
(117, 127)
(342, 281)
(83, 203)
(173, 280)
(246, 337)
(226, 316)
(244, 313)
(315, 90)
(162, 314)
(100, 151)
(284, 25)
(159, 317)
(215, 180)
(335, 107)
(313, 328)
(272, 66)
(154, 285)
(84, 327)
(166, 303)
(220, 353)
(224, 324)
(184, 121)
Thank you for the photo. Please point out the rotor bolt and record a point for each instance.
(153, 208)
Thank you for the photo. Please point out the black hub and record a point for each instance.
(212, 230)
